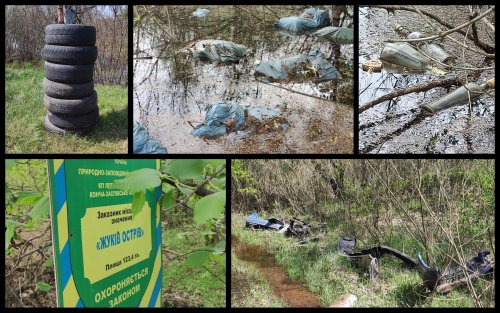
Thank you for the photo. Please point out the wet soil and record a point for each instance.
(172, 91)
(398, 126)
(294, 293)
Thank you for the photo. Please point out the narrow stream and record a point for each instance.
(294, 293)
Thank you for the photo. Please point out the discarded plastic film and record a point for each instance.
(223, 117)
(201, 12)
(103, 256)
(298, 68)
(220, 116)
(218, 50)
(309, 20)
(337, 35)
(143, 143)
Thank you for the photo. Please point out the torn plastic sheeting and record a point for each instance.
(299, 67)
(263, 114)
(310, 19)
(217, 118)
(338, 35)
(218, 50)
(143, 144)
(201, 12)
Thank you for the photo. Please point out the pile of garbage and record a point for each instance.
(304, 232)
(217, 50)
(309, 20)
(299, 68)
(433, 278)
(143, 144)
(225, 117)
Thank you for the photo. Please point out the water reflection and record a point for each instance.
(172, 87)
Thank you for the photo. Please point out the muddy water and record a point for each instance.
(172, 91)
(295, 294)
(398, 126)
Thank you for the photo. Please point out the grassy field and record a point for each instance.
(25, 113)
(323, 271)
(185, 285)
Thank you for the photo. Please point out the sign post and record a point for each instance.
(103, 256)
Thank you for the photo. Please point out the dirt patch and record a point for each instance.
(294, 293)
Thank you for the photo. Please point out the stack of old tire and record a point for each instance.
(70, 53)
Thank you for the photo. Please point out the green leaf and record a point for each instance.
(209, 207)
(10, 164)
(216, 163)
(10, 226)
(138, 202)
(139, 180)
(220, 247)
(198, 258)
(49, 262)
(40, 209)
(42, 286)
(28, 197)
(168, 200)
(219, 258)
(185, 191)
(187, 169)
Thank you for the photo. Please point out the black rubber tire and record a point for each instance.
(51, 128)
(71, 106)
(67, 91)
(69, 54)
(70, 35)
(74, 121)
(69, 74)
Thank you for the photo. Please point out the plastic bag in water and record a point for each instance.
(201, 12)
(309, 20)
(264, 114)
(218, 50)
(337, 35)
(220, 117)
(298, 68)
(143, 144)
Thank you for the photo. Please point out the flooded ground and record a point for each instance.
(294, 293)
(397, 126)
(172, 90)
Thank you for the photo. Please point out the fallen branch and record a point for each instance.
(416, 88)
(484, 46)
(294, 91)
(445, 33)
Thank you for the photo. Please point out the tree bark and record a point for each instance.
(417, 88)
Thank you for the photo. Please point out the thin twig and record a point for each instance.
(443, 34)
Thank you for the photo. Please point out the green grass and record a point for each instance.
(249, 288)
(323, 271)
(25, 113)
(187, 286)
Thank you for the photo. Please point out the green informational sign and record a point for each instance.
(103, 256)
